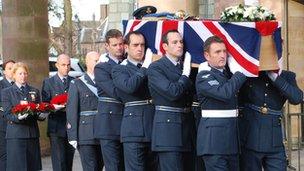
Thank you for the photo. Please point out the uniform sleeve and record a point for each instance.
(207, 85)
(171, 90)
(7, 107)
(46, 91)
(289, 88)
(126, 83)
(104, 81)
(1, 107)
(72, 111)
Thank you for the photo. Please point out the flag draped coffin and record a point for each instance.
(242, 39)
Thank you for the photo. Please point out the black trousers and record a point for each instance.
(112, 154)
(23, 154)
(91, 157)
(2, 151)
(138, 157)
(62, 154)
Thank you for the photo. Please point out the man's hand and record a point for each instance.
(148, 58)
(73, 143)
(43, 115)
(187, 65)
(58, 107)
(103, 58)
(22, 117)
(204, 67)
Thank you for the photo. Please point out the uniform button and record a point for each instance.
(11, 122)
(56, 94)
(265, 104)
(24, 98)
(65, 91)
(168, 120)
(265, 94)
(83, 122)
(130, 114)
(111, 112)
(87, 95)
(267, 84)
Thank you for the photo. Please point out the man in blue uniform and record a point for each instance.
(171, 91)
(6, 82)
(261, 130)
(81, 110)
(217, 136)
(107, 122)
(61, 151)
(136, 128)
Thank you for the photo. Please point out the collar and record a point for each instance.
(113, 58)
(61, 78)
(19, 85)
(9, 80)
(133, 61)
(92, 76)
(175, 61)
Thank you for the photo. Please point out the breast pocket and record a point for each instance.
(132, 123)
(86, 128)
(88, 99)
(168, 130)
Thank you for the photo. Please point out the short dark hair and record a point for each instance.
(210, 40)
(127, 37)
(165, 36)
(112, 33)
(6, 62)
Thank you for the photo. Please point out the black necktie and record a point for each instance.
(178, 65)
(64, 81)
(22, 89)
(225, 72)
(139, 65)
(12, 82)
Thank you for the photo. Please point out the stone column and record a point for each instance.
(119, 10)
(206, 9)
(25, 36)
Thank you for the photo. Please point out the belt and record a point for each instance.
(88, 113)
(138, 103)
(109, 100)
(264, 110)
(220, 113)
(173, 109)
(195, 104)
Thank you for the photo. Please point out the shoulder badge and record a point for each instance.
(206, 76)
(213, 82)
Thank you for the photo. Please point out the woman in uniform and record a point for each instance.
(22, 133)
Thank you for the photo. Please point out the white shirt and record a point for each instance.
(175, 61)
(113, 58)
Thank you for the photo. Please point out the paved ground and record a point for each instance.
(47, 165)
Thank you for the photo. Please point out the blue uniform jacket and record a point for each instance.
(81, 98)
(3, 84)
(12, 96)
(260, 132)
(216, 91)
(107, 122)
(168, 87)
(132, 83)
(57, 120)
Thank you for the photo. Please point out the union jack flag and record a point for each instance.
(242, 39)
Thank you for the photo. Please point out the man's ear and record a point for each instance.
(207, 57)
(165, 46)
(126, 47)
